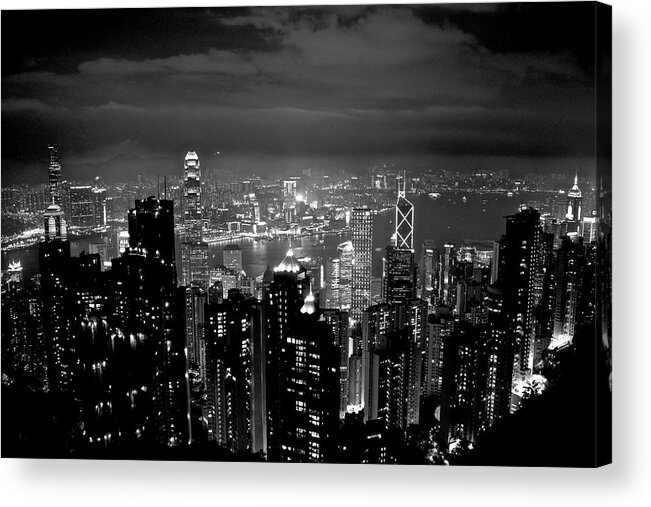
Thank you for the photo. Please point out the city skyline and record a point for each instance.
(396, 313)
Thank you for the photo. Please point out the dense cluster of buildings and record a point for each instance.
(302, 363)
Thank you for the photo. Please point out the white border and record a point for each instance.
(34, 482)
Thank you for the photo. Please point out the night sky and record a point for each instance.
(476, 86)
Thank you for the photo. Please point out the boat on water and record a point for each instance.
(464, 199)
(509, 194)
(434, 195)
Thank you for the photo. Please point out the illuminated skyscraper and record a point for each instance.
(194, 253)
(574, 202)
(235, 358)
(54, 174)
(54, 223)
(361, 225)
(232, 258)
(404, 217)
(82, 208)
(346, 263)
(192, 212)
(570, 259)
(521, 278)
(428, 265)
(399, 276)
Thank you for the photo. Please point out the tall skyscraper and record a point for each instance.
(399, 285)
(404, 217)
(232, 257)
(521, 277)
(570, 259)
(361, 225)
(54, 174)
(282, 302)
(235, 358)
(194, 253)
(574, 202)
(346, 263)
(427, 271)
(82, 206)
(54, 265)
(148, 315)
(303, 381)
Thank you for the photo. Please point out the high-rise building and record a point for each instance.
(428, 266)
(399, 284)
(404, 217)
(82, 209)
(235, 357)
(521, 278)
(148, 319)
(345, 285)
(55, 224)
(54, 174)
(337, 321)
(54, 266)
(232, 257)
(303, 387)
(570, 259)
(99, 207)
(574, 202)
(283, 300)
(361, 225)
(194, 253)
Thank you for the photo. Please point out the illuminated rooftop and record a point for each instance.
(289, 264)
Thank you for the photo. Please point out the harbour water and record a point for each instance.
(477, 220)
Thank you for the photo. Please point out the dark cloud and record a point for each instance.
(272, 88)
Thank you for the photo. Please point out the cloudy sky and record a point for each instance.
(447, 86)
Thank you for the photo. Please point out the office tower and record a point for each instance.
(289, 188)
(99, 207)
(447, 283)
(574, 202)
(346, 263)
(82, 211)
(392, 362)
(55, 224)
(361, 225)
(54, 175)
(235, 358)
(399, 276)
(337, 321)
(23, 344)
(54, 266)
(148, 318)
(570, 260)
(303, 387)
(310, 360)
(590, 229)
(404, 217)
(195, 301)
(232, 257)
(521, 272)
(194, 253)
(428, 265)
(122, 241)
(102, 249)
(439, 326)
(333, 294)
(224, 278)
(495, 263)
(282, 302)
(477, 369)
